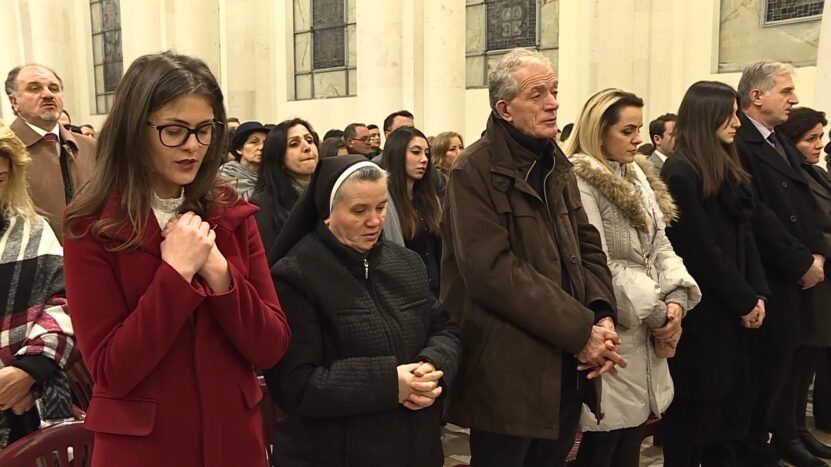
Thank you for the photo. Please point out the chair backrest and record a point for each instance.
(81, 383)
(66, 444)
(269, 413)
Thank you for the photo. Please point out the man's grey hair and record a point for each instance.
(364, 174)
(762, 76)
(11, 78)
(502, 86)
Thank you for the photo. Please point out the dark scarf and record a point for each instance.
(542, 149)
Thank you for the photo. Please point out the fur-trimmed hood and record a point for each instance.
(621, 192)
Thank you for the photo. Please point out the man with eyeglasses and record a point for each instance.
(62, 161)
(357, 139)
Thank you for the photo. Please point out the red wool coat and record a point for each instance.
(173, 363)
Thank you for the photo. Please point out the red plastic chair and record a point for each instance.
(64, 445)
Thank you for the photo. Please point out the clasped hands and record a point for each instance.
(815, 274)
(601, 352)
(756, 316)
(16, 390)
(189, 247)
(418, 385)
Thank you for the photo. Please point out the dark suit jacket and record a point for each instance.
(785, 227)
(46, 183)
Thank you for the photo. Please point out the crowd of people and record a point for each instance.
(536, 284)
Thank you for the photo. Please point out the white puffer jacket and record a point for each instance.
(630, 206)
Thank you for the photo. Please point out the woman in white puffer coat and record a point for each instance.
(627, 202)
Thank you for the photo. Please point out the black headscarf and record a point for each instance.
(313, 207)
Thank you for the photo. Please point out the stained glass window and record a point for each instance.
(777, 11)
(496, 26)
(108, 61)
(325, 57)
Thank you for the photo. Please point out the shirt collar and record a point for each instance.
(765, 131)
(661, 155)
(41, 132)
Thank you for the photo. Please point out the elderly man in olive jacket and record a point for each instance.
(526, 278)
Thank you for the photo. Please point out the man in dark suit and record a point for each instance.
(793, 254)
(62, 161)
(662, 135)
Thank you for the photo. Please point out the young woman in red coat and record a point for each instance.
(167, 281)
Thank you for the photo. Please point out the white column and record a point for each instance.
(11, 36)
(380, 59)
(192, 28)
(443, 67)
(248, 53)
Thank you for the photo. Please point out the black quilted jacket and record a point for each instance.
(354, 318)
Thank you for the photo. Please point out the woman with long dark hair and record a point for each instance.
(714, 236)
(413, 192)
(167, 280)
(289, 159)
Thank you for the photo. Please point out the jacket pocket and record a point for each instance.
(130, 417)
(252, 394)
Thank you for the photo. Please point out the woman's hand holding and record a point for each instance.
(405, 378)
(672, 327)
(216, 272)
(423, 385)
(187, 244)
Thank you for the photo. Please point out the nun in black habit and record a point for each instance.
(372, 352)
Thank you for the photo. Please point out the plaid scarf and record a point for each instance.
(33, 311)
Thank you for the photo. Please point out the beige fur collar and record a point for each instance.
(622, 193)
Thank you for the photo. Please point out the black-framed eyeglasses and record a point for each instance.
(175, 135)
(365, 139)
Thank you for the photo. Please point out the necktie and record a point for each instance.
(67, 181)
(777, 145)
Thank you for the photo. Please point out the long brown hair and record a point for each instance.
(122, 156)
(424, 199)
(706, 107)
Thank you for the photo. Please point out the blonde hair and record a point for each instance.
(15, 200)
(599, 113)
(439, 145)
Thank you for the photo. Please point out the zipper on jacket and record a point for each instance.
(556, 234)
(366, 269)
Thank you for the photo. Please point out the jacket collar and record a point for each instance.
(30, 137)
(352, 260)
(512, 161)
(620, 191)
(224, 219)
(765, 152)
(821, 186)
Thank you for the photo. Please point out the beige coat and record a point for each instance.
(44, 172)
(630, 206)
